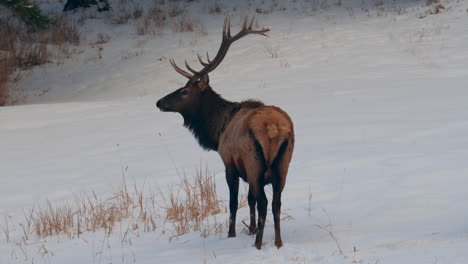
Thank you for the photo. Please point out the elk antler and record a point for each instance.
(210, 65)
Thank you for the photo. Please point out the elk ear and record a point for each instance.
(204, 82)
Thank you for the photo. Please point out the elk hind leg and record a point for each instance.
(252, 203)
(233, 183)
(262, 204)
(280, 170)
(276, 206)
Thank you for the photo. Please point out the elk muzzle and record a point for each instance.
(162, 106)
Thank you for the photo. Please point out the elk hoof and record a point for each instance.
(258, 245)
(258, 242)
(278, 243)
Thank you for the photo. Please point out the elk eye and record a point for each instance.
(184, 92)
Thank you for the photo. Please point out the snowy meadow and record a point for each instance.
(93, 172)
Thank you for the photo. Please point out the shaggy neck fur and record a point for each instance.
(214, 114)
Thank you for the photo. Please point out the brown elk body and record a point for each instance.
(255, 141)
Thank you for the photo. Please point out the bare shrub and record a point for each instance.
(28, 55)
(64, 32)
(215, 9)
(314, 5)
(102, 38)
(23, 47)
(434, 9)
(437, 9)
(152, 23)
(185, 24)
(175, 10)
(270, 49)
(137, 12)
(122, 16)
(430, 2)
(6, 69)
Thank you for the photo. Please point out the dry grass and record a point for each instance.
(125, 12)
(5, 72)
(187, 24)
(152, 22)
(90, 213)
(183, 24)
(175, 9)
(64, 32)
(157, 19)
(315, 5)
(191, 205)
(23, 47)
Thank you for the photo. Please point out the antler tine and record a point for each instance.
(244, 24)
(201, 61)
(228, 26)
(179, 70)
(251, 23)
(225, 26)
(190, 68)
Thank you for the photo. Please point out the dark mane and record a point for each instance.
(251, 103)
(212, 118)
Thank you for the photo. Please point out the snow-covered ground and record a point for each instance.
(379, 101)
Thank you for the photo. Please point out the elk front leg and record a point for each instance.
(233, 183)
(252, 203)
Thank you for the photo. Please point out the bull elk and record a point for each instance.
(255, 141)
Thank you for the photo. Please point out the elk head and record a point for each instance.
(187, 100)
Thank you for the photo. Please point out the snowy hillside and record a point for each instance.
(378, 95)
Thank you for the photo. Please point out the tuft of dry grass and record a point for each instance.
(189, 207)
(90, 213)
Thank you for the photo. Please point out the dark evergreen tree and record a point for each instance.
(29, 12)
(103, 5)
